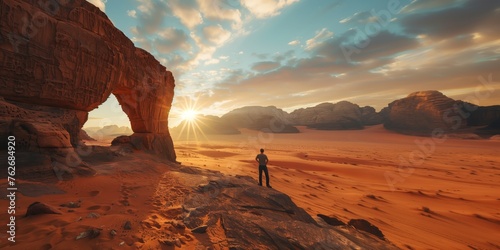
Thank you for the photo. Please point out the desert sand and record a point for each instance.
(449, 200)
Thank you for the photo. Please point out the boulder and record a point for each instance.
(41, 208)
(364, 225)
(331, 220)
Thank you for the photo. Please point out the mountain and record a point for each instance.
(338, 116)
(266, 119)
(108, 131)
(426, 111)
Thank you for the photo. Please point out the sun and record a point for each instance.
(189, 115)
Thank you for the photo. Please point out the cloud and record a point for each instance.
(278, 57)
(265, 66)
(171, 39)
(150, 17)
(132, 13)
(320, 36)
(358, 18)
(266, 8)
(294, 43)
(220, 10)
(101, 4)
(425, 5)
(470, 17)
(212, 61)
(187, 12)
(216, 34)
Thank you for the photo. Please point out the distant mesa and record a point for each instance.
(339, 116)
(266, 119)
(110, 131)
(419, 113)
(208, 125)
(85, 136)
(425, 111)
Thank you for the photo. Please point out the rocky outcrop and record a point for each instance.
(266, 119)
(207, 125)
(484, 116)
(369, 116)
(62, 60)
(488, 117)
(37, 208)
(238, 208)
(85, 136)
(328, 116)
(425, 111)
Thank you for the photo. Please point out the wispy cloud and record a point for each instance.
(101, 4)
(132, 13)
(266, 8)
(320, 36)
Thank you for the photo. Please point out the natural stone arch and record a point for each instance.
(66, 64)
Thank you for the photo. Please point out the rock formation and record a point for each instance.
(370, 117)
(266, 119)
(63, 59)
(427, 111)
(85, 136)
(108, 131)
(328, 116)
(422, 112)
(486, 116)
(254, 217)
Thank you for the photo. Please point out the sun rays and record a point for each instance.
(189, 115)
(191, 126)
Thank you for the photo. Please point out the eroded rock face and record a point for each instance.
(328, 116)
(266, 119)
(424, 112)
(254, 217)
(63, 59)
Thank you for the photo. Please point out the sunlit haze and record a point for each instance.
(227, 54)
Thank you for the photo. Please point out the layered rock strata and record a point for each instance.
(62, 59)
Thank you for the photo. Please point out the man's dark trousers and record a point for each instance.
(263, 168)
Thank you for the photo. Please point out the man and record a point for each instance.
(262, 160)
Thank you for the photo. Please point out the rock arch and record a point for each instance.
(63, 61)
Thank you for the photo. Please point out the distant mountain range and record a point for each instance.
(111, 131)
(420, 113)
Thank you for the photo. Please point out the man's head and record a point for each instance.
(262, 150)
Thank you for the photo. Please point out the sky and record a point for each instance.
(226, 54)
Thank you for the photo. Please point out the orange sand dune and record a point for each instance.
(445, 197)
(441, 194)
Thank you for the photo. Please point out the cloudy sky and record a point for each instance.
(226, 54)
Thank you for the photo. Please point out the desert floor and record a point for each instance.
(422, 193)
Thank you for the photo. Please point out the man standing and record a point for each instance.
(262, 160)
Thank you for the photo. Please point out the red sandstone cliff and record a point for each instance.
(60, 60)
